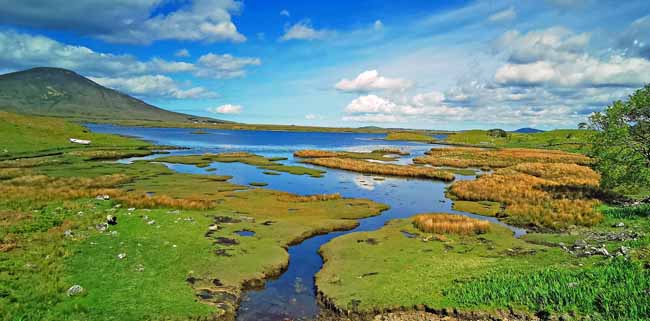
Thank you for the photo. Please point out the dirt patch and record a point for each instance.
(370, 241)
(225, 241)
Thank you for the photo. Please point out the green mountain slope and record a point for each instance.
(64, 93)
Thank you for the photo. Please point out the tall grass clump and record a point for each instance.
(627, 212)
(381, 169)
(314, 153)
(617, 290)
(449, 223)
(463, 157)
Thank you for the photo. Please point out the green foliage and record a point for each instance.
(497, 133)
(627, 212)
(613, 291)
(622, 143)
(571, 140)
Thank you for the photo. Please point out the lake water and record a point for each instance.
(293, 294)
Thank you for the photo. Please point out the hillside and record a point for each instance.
(63, 93)
(528, 130)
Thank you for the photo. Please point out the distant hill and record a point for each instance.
(527, 130)
(63, 93)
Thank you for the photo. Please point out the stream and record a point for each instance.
(293, 294)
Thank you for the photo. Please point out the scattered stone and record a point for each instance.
(174, 212)
(191, 280)
(102, 227)
(268, 223)
(131, 209)
(75, 290)
(226, 241)
(139, 268)
(68, 233)
(121, 256)
(217, 282)
(619, 224)
(111, 219)
(103, 197)
(152, 222)
(118, 206)
(225, 219)
(221, 252)
(370, 241)
(213, 227)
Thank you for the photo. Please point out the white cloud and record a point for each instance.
(153, 86)
(129, 21)
(372, 108)
(313, 116)
(371, 80)
(303, 31)
(378, 25)
(558, 57)
(504, 15)
(226, 109)
(556, 43)
(224, 66)
(182, 53)
(285, 13)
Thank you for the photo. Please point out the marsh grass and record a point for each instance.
(450, 223)
(627, 212)
(308, 198)
(381, 169)
(410, 136)
(614, 291)
(378, 154)
(463, 157)
(558, 196)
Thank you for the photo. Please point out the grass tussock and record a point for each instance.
(110, 154)
(642, 210)
(463, 157)
(308, 198)
(314, 153)
(545, 195)
(395, 151)
(450, 224)
(381, 169)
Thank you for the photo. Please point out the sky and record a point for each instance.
(450, 65)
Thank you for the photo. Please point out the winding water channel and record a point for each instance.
(293, 294)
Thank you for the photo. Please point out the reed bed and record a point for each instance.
(314, 153)
(395, 151)
(463, 157)
(381, 169)
(308, 198)
(543, 195)
(449, 223)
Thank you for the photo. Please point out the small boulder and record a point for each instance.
(75, 290)
(619, 224)
(102, 227)
(152, 222)
(121, 256)
(68, 233)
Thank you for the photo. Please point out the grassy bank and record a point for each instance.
(174, 253)
(571, 140)
(410, 136)
(363, 166)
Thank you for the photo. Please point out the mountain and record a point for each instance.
(63, 93)
(527, 130)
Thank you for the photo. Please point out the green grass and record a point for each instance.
(627, 212)
(25, 136)
(612, 291)
(395, 271)
(245, 158)
(571, 140)
(410, 136)
(485, 208)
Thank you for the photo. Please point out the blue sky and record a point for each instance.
(421, 64)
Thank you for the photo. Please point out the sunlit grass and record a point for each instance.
(463, 157)
(381, 169)
(450, 223)
(309, 198)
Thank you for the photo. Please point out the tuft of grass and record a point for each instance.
(612, 291)
(381, 169)
(449, 223)
(258, 184)
(379, 154)
(485, 208)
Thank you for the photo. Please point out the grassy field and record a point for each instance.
(572, 140)
(24, 136)
(380, 154)
(406, 267)
(174, 253)
(367, 167)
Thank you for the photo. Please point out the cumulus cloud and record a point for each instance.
(21, 51)
(129, 21)
(184, 53)
(371, 80)
(285, 13)
(636, 38)
(226, 109)
(303, 30)
(153, 86)
(504, 15)
(378, 25)
(313, 116)
(224, 66)
(372, 108)
(558, 57)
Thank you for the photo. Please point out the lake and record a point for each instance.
(293, 294)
